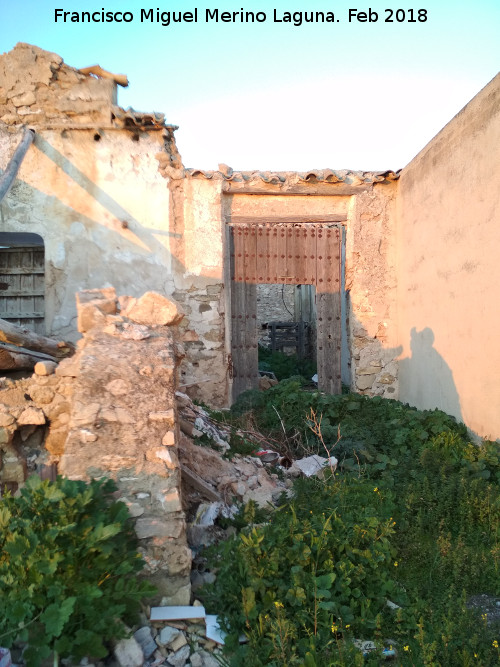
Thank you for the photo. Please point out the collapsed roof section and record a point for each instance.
(38, 89)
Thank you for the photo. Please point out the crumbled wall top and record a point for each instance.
(38, 89)
(345, 176)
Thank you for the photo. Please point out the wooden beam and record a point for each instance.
(317, 190)
(272, 219)
(194, 480)
(23, 337)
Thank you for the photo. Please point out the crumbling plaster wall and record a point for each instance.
(448, 275)
(101, 208)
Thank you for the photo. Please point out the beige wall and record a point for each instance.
(449, 275)
(101, 208)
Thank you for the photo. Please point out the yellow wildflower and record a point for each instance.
(334, 627)
(278, 605)
(396, 563)
(495, 644)
(406, 648)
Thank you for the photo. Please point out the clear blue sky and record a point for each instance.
(272, 95)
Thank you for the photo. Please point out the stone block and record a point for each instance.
(365, 381)
(25, 99)
(150, 527)
(167, 635)
(89, 317)
(180, 657)
(168, 439)
(32, 416)
(6, 419)
(42, 395)
(167, 416)
(154, 309)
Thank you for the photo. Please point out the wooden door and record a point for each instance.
(22, 286)
(284, 253)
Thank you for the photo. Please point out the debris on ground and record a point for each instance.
(314, 465)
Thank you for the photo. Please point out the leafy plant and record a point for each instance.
(412, 516)
(68, 565)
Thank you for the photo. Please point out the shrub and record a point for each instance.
(68, 565)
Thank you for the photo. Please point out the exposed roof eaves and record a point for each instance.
(291, 177)
(131, 118)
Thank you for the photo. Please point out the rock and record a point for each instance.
(32, 416)
(178, 642)
(203, 659)
(167, 635)
(145, 639)
(45, 367)
(179, 658)
(128, 653)
(153, 308)
(26, 99)
(167, 416)
(168, 439)
(42, 395)
(181, 596)
(239, 488)
(6, 419)
(87, 436)
(145, 528)
(365, 381)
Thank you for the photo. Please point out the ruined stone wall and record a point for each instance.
(371, 283)
(37, 88)
(199, 287)
(110, 411)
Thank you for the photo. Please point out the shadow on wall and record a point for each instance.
(427, 378)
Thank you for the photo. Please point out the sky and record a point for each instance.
(271, 95)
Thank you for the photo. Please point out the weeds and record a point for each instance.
(413, 517)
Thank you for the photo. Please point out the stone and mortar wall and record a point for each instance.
(371, 282)
(36, 87)
(448, 275)
(199, 287)
(110, 411)
(275, 303)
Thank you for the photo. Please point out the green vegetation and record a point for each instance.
(68, 565)
(411, 516)
(285, 365)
